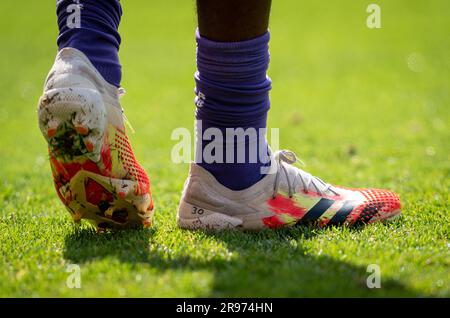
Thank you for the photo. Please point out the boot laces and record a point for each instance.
(307, 181)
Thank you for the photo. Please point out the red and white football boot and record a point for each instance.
(95, 172)
(286, 197)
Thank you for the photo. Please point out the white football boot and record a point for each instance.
(287, 197)
(94, 169)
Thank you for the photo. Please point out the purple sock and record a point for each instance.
(95, 33)
(232, 91)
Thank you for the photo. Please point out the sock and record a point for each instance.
(232, 90)
(96, 35)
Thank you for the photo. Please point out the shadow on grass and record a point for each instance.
(264, 264)
(85, 244)
(278, 267)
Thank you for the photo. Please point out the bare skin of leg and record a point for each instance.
(233, 20)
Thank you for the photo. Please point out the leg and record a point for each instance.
(232, 87)
(92, 27)
(233, 20)
(233, 92)
(94, 169)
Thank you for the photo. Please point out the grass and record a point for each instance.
(361, 107)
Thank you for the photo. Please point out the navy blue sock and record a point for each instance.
(96, 35)
(232, 91)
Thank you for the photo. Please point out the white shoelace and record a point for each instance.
(307, 180)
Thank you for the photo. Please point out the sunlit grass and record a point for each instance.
(361, 107)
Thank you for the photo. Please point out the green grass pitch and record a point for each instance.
(362, 107)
